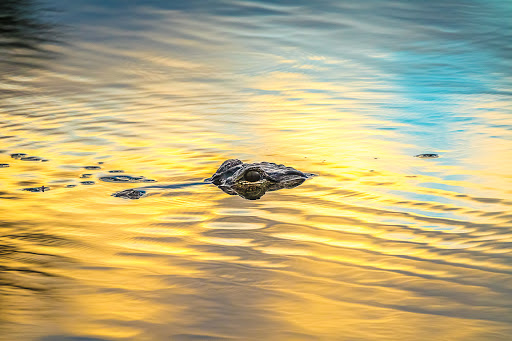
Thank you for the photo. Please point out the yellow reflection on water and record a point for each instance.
(379, 246)
(364, 241)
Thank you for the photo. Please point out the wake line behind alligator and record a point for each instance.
(248, 180)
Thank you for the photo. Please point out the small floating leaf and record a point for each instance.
(130, 194)
(125, 178)
(31, 158)
(427, 156)
(18, 155)
(87, 182)
(37, 189)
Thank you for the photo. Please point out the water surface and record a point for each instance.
(380, 246)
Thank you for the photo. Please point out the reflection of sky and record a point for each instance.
(430, 59)
(283, 78)
(291, 77)
(348, 90)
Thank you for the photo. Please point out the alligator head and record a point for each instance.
(252, 180)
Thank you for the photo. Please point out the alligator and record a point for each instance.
(248, 180)
(427, 156)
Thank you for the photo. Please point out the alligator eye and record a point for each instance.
(252, 176)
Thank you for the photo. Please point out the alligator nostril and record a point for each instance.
(252, 176)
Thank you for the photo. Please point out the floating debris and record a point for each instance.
(130, 194)
(125, 178)
(427, 156)
(4, 165)
(87, 182)
(100, 163)
(92, 167)
(85, 176)
(18, 155)
(116, 171)
(37, 189)
(32, 158)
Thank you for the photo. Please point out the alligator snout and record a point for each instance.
(252, 180)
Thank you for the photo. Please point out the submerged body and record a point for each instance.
(248, 180)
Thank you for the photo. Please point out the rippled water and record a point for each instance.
(380, 246)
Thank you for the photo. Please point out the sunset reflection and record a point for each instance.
(381, 245)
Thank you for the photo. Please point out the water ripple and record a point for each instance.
(363, 94)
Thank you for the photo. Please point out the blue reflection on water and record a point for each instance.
(427, 71)
(435, 62)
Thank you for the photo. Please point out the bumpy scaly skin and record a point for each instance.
(427, 156)
(125, 178)
(234, 177)
(37, 189)
(248, 180)
(131, 193)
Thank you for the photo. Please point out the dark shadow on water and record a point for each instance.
(21, 26)
(26, 31)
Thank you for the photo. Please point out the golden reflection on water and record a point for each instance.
(379, 246)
